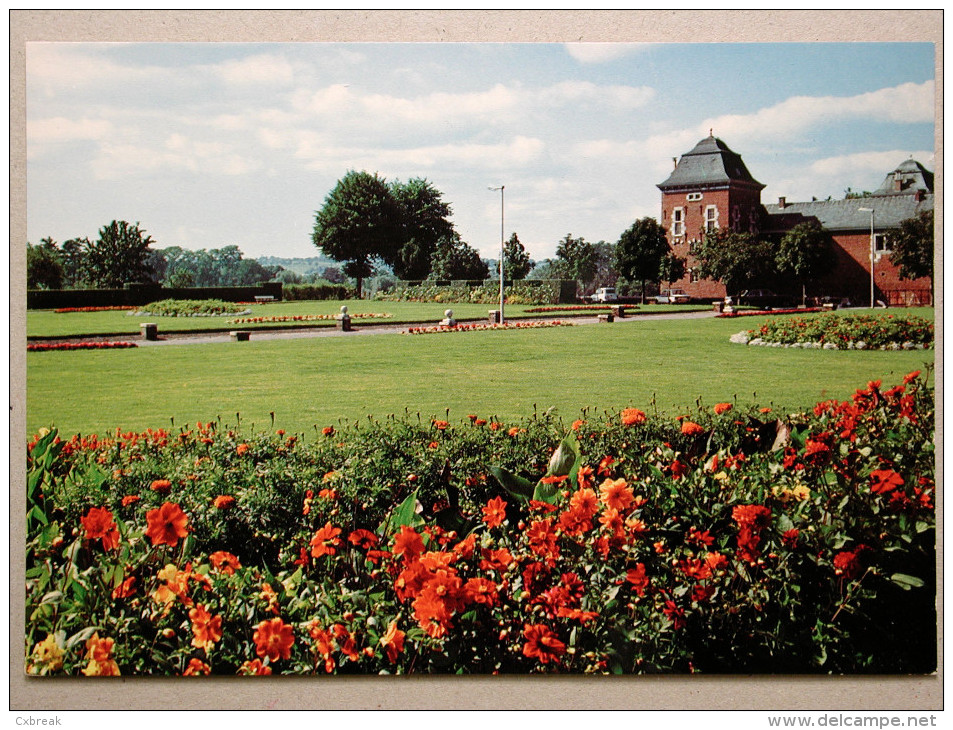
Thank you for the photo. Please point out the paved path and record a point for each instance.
(204, 338)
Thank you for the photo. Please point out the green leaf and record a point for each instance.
(514, 485)
(53, 597)
(565, 459)
(546, 492)
(906, 581)
(406, 513)
(81, 636)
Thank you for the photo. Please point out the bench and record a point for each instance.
(606, 318)
(262, 298)
(240, 335)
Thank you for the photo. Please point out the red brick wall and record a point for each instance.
(851, 276)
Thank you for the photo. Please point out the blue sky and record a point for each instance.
(208, 145)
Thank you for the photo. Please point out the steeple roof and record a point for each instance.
(709, 164)
(909, 177)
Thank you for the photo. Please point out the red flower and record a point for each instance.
(542, 643)
(167, 524)
(847, 563)
(408, 543)
(616, 494)
(675, 614)
(393, 642)
(720, 408)
(690, 428)
(363, 539)
(242, 449)
(678, 469)
(224, 501)
(98, 523)
(273, 639)
(254, 668)
(910, 377)
(636, 576)
(162, 486)
(632, 417)
(225, 562)
(883, 481)
(441, 425)
(325, 541)
(495, 512)
(328, 431)
(196, 667)
(130, 499)
(789, 538)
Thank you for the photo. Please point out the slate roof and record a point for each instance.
(912, 176)
(710, 163)
(844, 215)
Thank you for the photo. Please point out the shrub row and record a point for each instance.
(515, 292)
(320, 292)
(726, 540)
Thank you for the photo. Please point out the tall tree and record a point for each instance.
(359, 224)
(804, 253)
(577, 259)
(71, 256)
(43, 267)
(738, 260)
(455, 259)
(912, 247)
(643, 254)
(423, 221)
(517, 263)
(119, 256)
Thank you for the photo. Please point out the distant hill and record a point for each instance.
(301, 266)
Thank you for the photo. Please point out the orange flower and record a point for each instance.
(393, 642)
(361, 538)
(325, 541)
(167, 524)
(690, 428)
(162, 486)
(616, 494)
(440, 425)
(206, 628)
(196, 668)
(408, 543)
(632, 417)
(242, 449)
(720, 408)
(98, 523)
(882, 481)
(496, 426)
(125, 589)
(254, 668)
(99, 655)
(328, 431)
(637, 577)
(224, 501)
(577, 424)
(225, 562)
(494, 513)
(130, 499)
(514, 431)
(273, 639)
(910, 377)
(585, 503)
(542, 643)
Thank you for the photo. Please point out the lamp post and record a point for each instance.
(871, 211)
(502, 250)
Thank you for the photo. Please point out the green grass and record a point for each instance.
(48, 323)
(664, 365)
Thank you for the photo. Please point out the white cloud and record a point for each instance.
(624, 97)
(863, 164)
(265, 69)
(177, 152)
(61, 129)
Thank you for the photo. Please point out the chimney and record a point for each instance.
(782, 202)
(674, 162)
(918, 195)
(897, 184)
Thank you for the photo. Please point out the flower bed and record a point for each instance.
(843, 332)
(307, 318)
(192, 308)
(481, 327)
(67, 310)
(43, 347)
(763, 312)
(575, 308)
(722, 541)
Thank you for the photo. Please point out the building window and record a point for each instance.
(693, 246)
(678, 222)
(711, 218)
(694, 196)
(880, 243)
(693, 275)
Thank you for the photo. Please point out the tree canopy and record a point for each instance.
(119, 256)
(805, 252)
(912, 246)
(738, 260)
(455, 259)
(577, 259)
(423, 222)
(643, 254)
(517, 263)
(359, 224)
(44, 270)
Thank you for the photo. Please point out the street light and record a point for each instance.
(502, 253)
(871, 211)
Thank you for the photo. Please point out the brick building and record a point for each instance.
(711, 188)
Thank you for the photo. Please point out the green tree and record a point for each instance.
(44, 269)
(119, 256)
(423, 222)
(738, 260)
(577, 259)
(804, 253)
(643, 254)
(71, 256)
(455, 259)
(517, 263)
(359, 225)
(912, 247)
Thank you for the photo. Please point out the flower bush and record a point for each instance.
(489, 293)
(192, 308)
(854, 332)
(721, 541)
(307, 318)
(763, 312)
(54, 346)
(481, 327)
(67, 310)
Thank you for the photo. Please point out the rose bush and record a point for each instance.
(725, 540)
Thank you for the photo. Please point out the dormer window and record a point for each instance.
(694, 196)
(678, 222)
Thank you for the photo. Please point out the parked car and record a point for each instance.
(764, 298)
(672, 296)
(605, 294)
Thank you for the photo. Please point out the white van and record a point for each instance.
(605, 294)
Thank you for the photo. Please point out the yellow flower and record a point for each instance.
(47, 657)
(801, 492)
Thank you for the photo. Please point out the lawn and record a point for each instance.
(49, 323)
(665, 365)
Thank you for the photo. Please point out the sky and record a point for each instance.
(207, 145)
